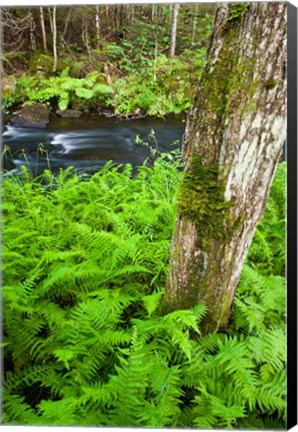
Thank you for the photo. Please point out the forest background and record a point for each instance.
(126, 58)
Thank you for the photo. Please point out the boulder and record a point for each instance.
(69, 113)
(32, 116)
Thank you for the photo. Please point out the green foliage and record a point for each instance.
(133, 43)
(237, 11)
(159, 89)
(267, 252)
(84, 266)
(162, 87)
(64, 90)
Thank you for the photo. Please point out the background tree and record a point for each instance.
(97, 27)
(32, 31)
(194, 25)
(55, 39)
(174, 29)
(234, 140)
(43, 30)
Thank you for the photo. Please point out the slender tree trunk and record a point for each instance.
(55, 40)
(155, 59)
(66, 23)
(194, 26)
(108, 75)
(153, 13)
(32, 30)
(97, 27)
(116, 18)
(43, 31)
(174, 29)
(51, 21)
(132, 13)
(85, 37)
(234, 140)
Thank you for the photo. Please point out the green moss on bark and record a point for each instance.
(201, 199)
(236, 11)
(270, 84)
(229, 82)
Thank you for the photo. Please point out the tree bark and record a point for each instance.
(85, 37)
(54, 24)
(194, 25)
(234, 138)
(153, 13)
(66, 23)
(51, 21)
(43, 31)
(32, 31)
(175, 13)
(97, 27)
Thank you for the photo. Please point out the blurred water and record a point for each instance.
(87, 142)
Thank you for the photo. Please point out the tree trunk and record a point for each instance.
(51, 21)
(97, 27)
(153, 13)
(43, 31)
(174, 29)
(54, 24)
(85, 37)
(234, 139)
(32, 31)
(194, 25)
(66, 23)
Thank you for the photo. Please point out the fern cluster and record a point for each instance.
(85, 263)
(62, 90)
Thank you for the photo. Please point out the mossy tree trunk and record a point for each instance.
(234, 139)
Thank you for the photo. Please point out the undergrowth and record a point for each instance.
(160, 87)
(84, 266)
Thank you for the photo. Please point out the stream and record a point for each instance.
(88, 142)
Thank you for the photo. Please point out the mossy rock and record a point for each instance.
(41, 62)
(32, 116)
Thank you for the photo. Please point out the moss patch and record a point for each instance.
(270, 84)
(236, 11)
(41, 62)
(201, 199)
(229, 82)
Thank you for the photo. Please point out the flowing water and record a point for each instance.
(88, 142)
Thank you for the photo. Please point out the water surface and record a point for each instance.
(88, 142)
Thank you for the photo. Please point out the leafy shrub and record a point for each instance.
(63, 89)
(42, 62)
(85, 263)
(161, 88)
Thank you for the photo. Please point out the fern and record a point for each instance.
(84, 343)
